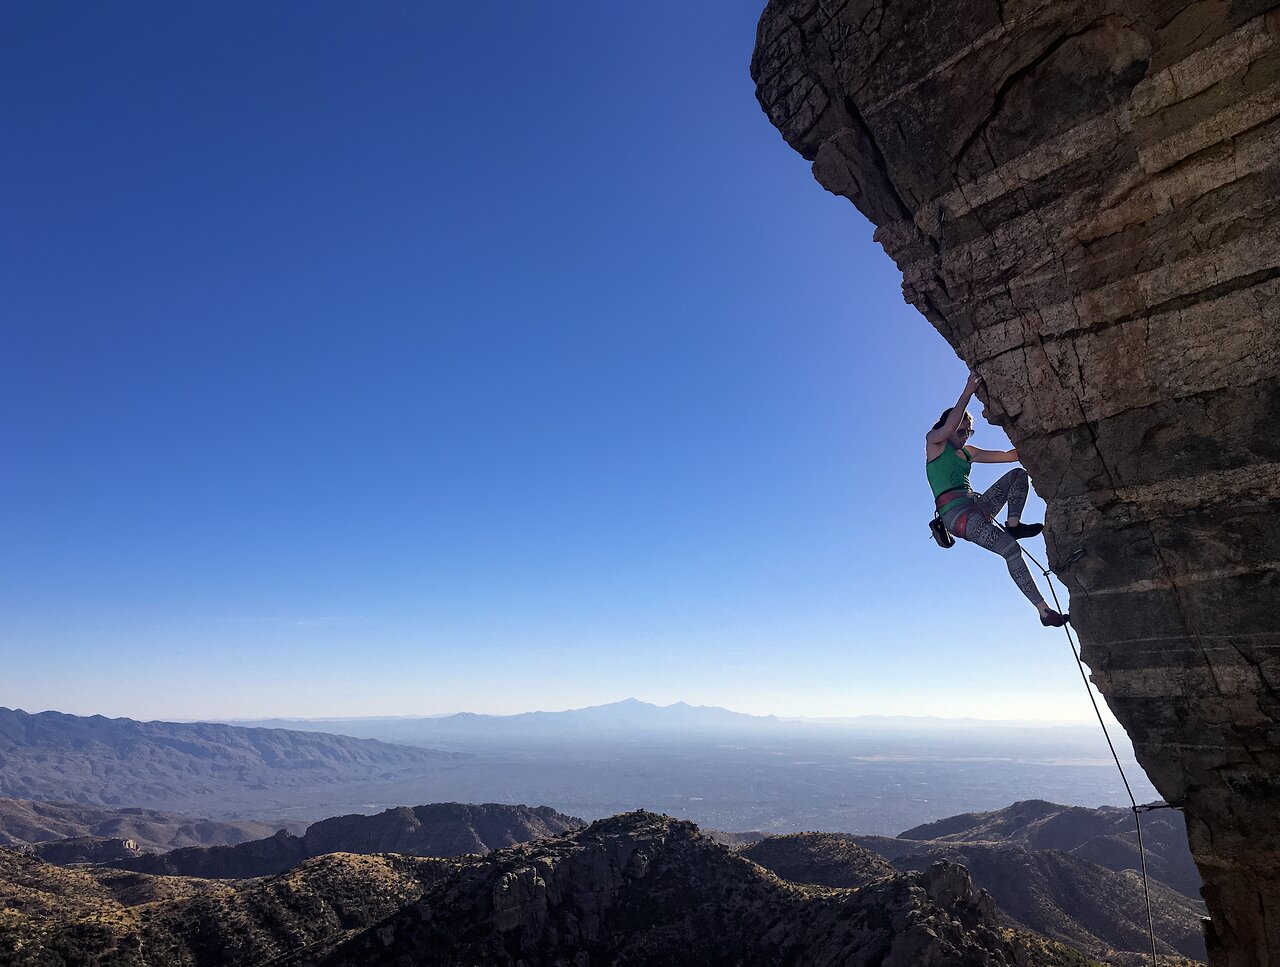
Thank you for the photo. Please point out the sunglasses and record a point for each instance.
(966, 433)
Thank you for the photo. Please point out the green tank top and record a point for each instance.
(949, 470)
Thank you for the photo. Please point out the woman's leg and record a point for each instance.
(981, 531)
(1010, 489)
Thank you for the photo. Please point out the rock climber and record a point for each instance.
(970, 516)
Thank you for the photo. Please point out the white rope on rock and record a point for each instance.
(1133, 803)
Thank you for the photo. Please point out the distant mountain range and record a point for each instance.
(98, 761)
(630, 716)
(441, 829)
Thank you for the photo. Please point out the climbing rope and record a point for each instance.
(1134, 807)
(1133, 803)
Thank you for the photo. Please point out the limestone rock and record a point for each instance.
(1083, 199)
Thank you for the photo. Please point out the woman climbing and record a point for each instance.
(970, 516)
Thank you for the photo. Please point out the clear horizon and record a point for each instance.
(1003, 721)
(330, 391)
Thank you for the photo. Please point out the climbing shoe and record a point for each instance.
(1054, 620)
(1019, 531)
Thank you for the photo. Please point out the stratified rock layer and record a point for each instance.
(1083, 198)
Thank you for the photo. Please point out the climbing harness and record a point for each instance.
(1133, 803)
(938, 528)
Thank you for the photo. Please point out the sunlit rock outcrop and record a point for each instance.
(1082, 198)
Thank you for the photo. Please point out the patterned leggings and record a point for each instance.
(979, 529)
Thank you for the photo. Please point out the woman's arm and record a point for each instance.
(941, 434)
(992, 456)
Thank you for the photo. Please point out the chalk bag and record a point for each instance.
(940, 533)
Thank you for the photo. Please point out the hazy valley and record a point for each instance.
(711, 766)
(257, 844)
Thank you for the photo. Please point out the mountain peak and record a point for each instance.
(658, 891)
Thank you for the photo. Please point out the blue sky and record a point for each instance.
(407, 358)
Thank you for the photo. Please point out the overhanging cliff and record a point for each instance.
(1084, 199)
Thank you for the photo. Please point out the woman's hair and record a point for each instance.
(943, 418)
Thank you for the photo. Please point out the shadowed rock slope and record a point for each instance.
(440, 829)
(645, 889)
(827, 859)
(1084, 200)
(1104, 836)
(1093, 909)
(25, 822)
(1099, 911)
(76, 850)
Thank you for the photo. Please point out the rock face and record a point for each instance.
(1082, 198)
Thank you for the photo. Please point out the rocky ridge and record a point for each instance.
(1094, 910)
(636, 888)
(1084, 200)
(25, 822)
(1098, 911)
(1055, 893)
(1104, 836)
(825, 859)
(645, 889)
(56, 917)
(439, 829)
(77, 850)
